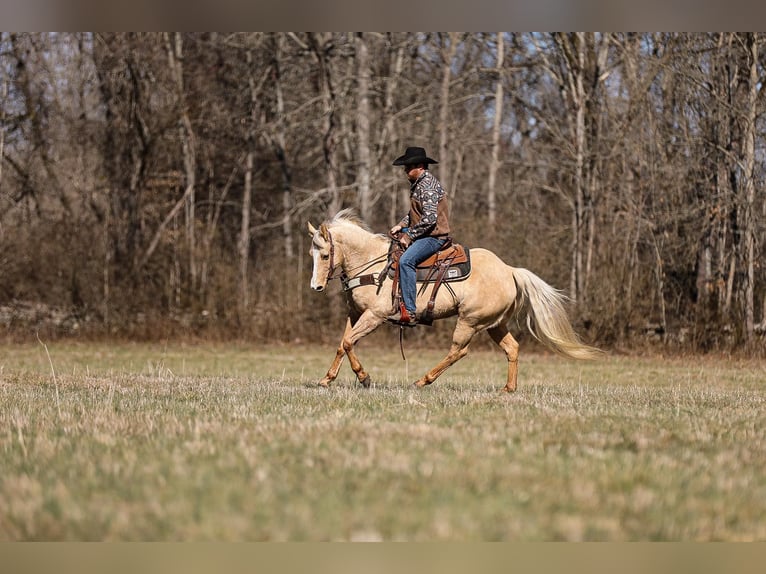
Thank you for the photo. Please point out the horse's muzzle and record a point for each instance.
(318, 287)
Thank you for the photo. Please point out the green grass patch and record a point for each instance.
(222, 442)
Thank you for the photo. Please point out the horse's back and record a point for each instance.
(490, 290)
(489, 267)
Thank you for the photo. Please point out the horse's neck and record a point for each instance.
(360, 247)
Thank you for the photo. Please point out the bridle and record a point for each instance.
(343, 275)
(331, 269)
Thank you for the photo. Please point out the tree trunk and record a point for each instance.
(280, 148)
(494, 164)
(124, 149)
(244, 237)
(396, 63)
(318, 45)
(2, 128)
(578, 99)
(448, 56)
(748, 160)
(583, 59)
(175, 60)
(363, 127)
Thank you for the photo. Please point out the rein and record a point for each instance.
(367, 265)
(360, 280)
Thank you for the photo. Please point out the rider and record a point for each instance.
(424, 230)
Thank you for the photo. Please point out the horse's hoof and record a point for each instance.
(324, 383)
(419, 384)
(365, 382)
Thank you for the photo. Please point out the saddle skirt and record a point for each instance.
(456, 257)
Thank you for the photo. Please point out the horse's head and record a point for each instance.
(324, 255)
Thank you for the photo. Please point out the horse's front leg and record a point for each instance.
(332, 372)
(366, 324)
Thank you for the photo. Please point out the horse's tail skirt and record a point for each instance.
(547, 317)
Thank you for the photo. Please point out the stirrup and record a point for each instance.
(403, 318)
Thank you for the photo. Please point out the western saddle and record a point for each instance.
(451, 263)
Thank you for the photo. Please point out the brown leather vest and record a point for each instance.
(442, 217)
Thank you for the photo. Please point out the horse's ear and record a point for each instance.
(325, 232)
(312, 229)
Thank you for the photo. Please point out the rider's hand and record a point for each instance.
(405, 240)
(395, 229)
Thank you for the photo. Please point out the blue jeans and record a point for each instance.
(420, 250)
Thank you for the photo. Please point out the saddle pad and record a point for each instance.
(459, 269)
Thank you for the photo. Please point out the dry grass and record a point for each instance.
(230, 443)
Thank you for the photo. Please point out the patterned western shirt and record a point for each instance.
(429, 211)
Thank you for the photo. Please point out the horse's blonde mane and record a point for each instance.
(349, 215)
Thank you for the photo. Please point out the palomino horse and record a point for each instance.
(492, 294)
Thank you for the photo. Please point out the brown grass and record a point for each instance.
(228, 443)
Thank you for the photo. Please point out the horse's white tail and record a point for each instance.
(546, 316)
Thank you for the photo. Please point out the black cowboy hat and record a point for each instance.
(414, 156)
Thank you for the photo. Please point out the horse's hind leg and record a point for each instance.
(461, 338)
(507, 343)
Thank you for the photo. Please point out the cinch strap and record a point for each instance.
(360, 281)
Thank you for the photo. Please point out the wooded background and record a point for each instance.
(159, 183)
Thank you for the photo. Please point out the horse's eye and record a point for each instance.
(325, 256)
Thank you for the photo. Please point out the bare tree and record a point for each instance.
(254, 88)
(748, 168)
(162, 174)
(395, 62)
(174, 46)
(363, 126)
(449, 46)
(4, 95)
(320, 45)
(578, 70)
(278, 141)
(497, 121)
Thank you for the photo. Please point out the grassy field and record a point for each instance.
(230, 443)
